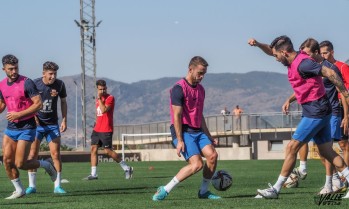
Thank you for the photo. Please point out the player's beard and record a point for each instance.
(284, 61)
(13, 76)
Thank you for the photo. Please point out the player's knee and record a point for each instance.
(107, 151)
(342, 145)
(197, 166)
(7, 162)
(54, 154)
(213, 157)
(19, 164)
(32, 157)
(291, 149)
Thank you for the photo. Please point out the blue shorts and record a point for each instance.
(26, 134)
(317, 128)
(50, 132)
(336, 131)
(194, 143)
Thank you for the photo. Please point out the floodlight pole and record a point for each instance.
(88, 62)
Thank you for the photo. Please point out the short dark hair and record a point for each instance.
(197, 60)
(312, 44)
(282, 43)
(101, 83)
(50, 66)
(328, 44)
(9, 60)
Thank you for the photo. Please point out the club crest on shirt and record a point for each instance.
(54, 93)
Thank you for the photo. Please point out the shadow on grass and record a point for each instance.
(109, 191)
(26, 203)
(158, 177)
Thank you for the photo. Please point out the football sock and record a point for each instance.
(18, 185)
(335, 176)
(328, 182)
(58, 180)
(94, 170)
(281, 180)
(32, 179)
(171, 184)
(204, 185)
(302, 166)
(123, 165)
(345, 173)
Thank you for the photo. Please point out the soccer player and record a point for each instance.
(21, 98)
(50, 88)
(305, 77)
(333, 182)
(102, 134)
(189, 131)
(326, 50)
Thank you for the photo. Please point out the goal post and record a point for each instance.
(143, 141)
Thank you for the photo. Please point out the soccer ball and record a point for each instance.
(222, 180)
(291, 182)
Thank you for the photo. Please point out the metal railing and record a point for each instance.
(226, 124)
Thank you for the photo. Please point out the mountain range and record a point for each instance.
(148, 100)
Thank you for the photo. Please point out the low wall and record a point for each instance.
(240, 153)
(264, 153)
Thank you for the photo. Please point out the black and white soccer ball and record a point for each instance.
(222, 180)
(291, 182)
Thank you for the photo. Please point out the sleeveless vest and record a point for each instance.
(14, 97)
(193, 104)
(306, 90)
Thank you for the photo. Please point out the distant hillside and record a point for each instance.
(148, 100)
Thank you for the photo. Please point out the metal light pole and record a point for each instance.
(88, 59)
(76, 115)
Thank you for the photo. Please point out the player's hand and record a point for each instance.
(285, 107)
(180, 147)
(12, 116)
(37, 121)
(252, 42)
(215, 141)
(344, 125)
(63, 126)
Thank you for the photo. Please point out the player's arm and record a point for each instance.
(177, 123)
(64, 110)
(2, 103)
(103, 105)
(264, 47)
(345, 121)
(286, 105)
(177, 102)
(36, 106)
(336, 80)
(345, 74)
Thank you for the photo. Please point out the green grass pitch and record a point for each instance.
(111, 190)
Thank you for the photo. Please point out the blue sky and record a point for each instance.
(151, 39)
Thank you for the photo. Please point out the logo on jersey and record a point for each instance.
(47, 106)
(99, 111)
(54, 93)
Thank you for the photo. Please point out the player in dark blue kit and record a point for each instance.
(50, 88)
(333, 182)
(21, 98)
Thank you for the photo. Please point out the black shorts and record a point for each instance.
(102, 139)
